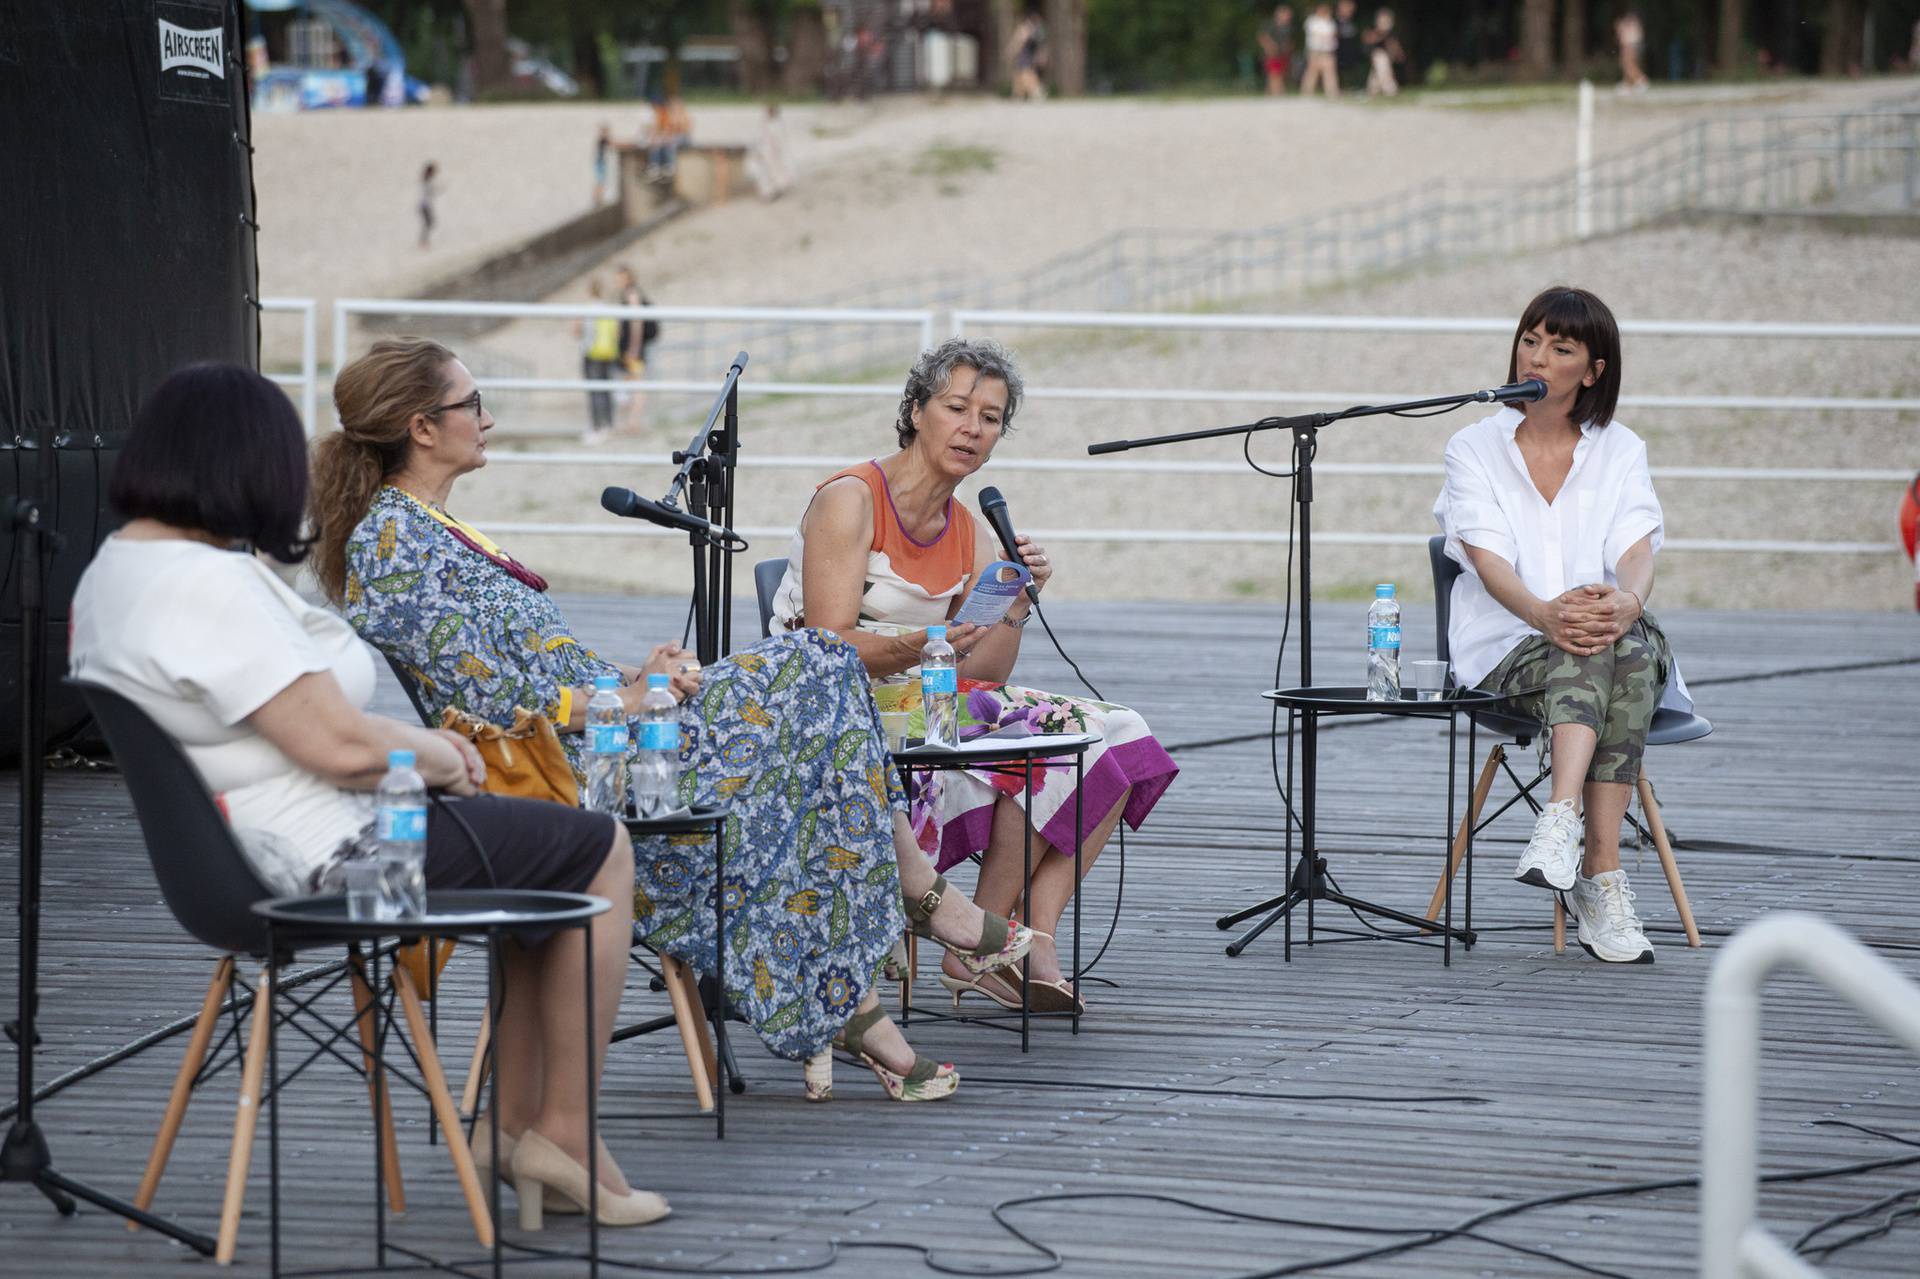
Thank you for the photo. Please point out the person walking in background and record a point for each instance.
(602, 166)
(1276, 50)
(1027, 49)
(767, 163)
(429, 188)
(1633, 40)
(1348, 56)
(1323, 39)
(1383, 50)
(635, 337)
(599, 359)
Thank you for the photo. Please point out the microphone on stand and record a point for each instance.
(994, 507)
(1513, 393)
(630, 505)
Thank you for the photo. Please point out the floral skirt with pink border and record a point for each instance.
(952, 812)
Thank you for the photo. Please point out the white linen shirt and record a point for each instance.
(1605, 505)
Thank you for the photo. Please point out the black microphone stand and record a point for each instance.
(25, 1156)
(706, 476)
(1311, 881)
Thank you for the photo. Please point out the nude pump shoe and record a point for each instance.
(538, 1163)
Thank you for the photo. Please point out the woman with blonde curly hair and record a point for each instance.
(784, 733)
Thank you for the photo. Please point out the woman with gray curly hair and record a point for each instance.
(883, 552)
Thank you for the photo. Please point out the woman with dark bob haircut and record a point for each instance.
(180, 613)
(1549, 508)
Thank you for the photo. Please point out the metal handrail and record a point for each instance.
(1734, 1244)
(308, 379)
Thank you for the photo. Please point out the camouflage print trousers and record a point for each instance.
(1613, 692)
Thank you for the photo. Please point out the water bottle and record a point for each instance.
(400, 825)
(940, 689)
(656, 765)
(606, 748)
(1383, 645)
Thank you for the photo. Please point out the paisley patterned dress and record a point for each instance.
(784, 733)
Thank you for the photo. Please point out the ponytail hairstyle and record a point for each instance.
(377, 397)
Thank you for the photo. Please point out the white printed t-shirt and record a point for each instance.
(201, 638)
(1605, 505)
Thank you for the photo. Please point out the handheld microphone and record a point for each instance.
(630, 505)
(994, 508)
(1513, 393)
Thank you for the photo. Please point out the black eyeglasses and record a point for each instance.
(471, 402)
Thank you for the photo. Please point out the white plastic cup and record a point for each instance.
(1430, 680)
(895, 725)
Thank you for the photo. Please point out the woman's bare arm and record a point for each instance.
(838, 530)
(316, 727)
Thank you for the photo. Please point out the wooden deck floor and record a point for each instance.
(1362, 1085)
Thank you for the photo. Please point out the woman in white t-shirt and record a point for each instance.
(267, 694)
(1549, 508)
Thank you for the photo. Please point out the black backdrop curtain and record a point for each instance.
(126, 250)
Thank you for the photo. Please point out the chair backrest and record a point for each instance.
(766, 580)
(412, 690)
(206, 880)
(1445, 570)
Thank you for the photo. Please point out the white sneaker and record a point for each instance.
(1552, 856)
(1609, 929)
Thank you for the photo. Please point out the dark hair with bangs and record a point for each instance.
(1575, 313)
(219, 449)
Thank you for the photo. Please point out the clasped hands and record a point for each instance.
(1587, 619)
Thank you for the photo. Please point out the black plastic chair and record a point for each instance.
(411, 687)
(766, 580)
(210, 887)
(1669, 727)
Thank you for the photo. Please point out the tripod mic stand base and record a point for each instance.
(1311, 881)
(26, 1158)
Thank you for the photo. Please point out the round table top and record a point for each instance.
(696, 819)
(452, 911)
(989, 750)
(1351, 699)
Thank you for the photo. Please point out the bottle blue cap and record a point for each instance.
(656, 681)
(1384, 591)
(936, 632)
(399, 759)
(604, 682)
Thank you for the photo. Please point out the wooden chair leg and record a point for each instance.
(1559, 926)
(190, 1064)
(436, 1083)
(379, 1099)
(477, 1069)
(1458, 852)
(684, 993)
(245, 1117)
(1652, 809)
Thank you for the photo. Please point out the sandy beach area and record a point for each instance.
(916, 190)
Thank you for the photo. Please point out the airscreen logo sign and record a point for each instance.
(193, 53)
(192, 41)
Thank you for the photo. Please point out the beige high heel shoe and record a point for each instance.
(539, 1165)
(481, 1147)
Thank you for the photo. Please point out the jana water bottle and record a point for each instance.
(656, 765)
(1383, 646)
(400, 824)
(606, 748)
(940, 689)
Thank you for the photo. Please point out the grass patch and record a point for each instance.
(949, 160)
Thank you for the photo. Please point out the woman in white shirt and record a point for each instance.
(267, 694)
(1549, 508)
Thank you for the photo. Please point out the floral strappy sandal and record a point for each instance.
(928, 1080)
(1001, 942)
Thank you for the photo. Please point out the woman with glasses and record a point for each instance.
(783, 733)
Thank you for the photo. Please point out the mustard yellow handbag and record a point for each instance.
(524, 761)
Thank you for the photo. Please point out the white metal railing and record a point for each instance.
(1733, 1242)
(923, 324)
(308, 379)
